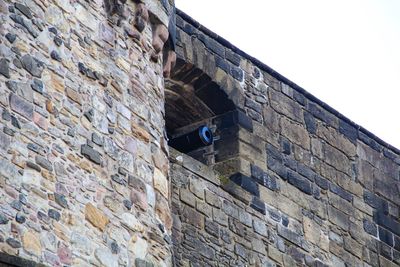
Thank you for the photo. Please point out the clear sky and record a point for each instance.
(345, 52)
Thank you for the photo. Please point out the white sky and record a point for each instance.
(345, 52)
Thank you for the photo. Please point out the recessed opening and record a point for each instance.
(192, 102)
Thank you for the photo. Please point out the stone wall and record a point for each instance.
(84, 155)
(83, 159)
(294, 182)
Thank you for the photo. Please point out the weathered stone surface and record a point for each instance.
(160, 182)
(32, 65)
(105, 257)
(314, 190)
(4, 68)
(21, 106)
(295, 133)
(31, 242)
(91, 154)
(131, 222)
(24, 10)
(96, 217)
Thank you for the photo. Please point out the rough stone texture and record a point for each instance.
(85, 178)
(71, 84)
(303, 181)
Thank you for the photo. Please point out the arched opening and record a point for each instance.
(193, 100)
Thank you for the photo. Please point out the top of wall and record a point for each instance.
(190, 26)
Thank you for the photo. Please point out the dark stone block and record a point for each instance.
(127, 203)
(43, 216)
(61, 200)
(58, 41)
(263, 178)
(53, 30)
(243, 120)
(54, 214)
(5, 115)
(91, 154)
(16, 204)
(97, 139)
(33, 166)
(290, 162)
(301, 183)
(15, 122)
(316, 192)
(320, 113)
(13, 242)
(274, 214)
(32, 65)
(189, 29)
(246, 183)
(286, 146)
(214, 46)
(212, 228)
(285, 221)
(389, 154)
(54, 55)
(254, 115)
(9, 260)
(7, 131)
(233, 58)
(90, 74)
(12, 85)
(274, 153)
(277, 167)
(299, 97)
(340, 192)
(142, 263)
(3, 219)
(306, 172)
(253, 105)
(311, 124)
(20, 218)
(386, 236)
(37, 86)
(387, 221)
(5, 68)
(222, 64)
(237, 73)
(24, 10)
(258, 205)
(44, 163)
(22, 198)
(348, 130)
(376, 202)
(11, 37)
(82, 68)
(397, 242)
(258, 174)
(118, 179)
(114, 247)
(369, 141)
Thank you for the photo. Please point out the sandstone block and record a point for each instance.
(31, 242)
(160, 182)
(295, 133)
(96, 217)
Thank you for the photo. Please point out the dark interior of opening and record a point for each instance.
(192, 100)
